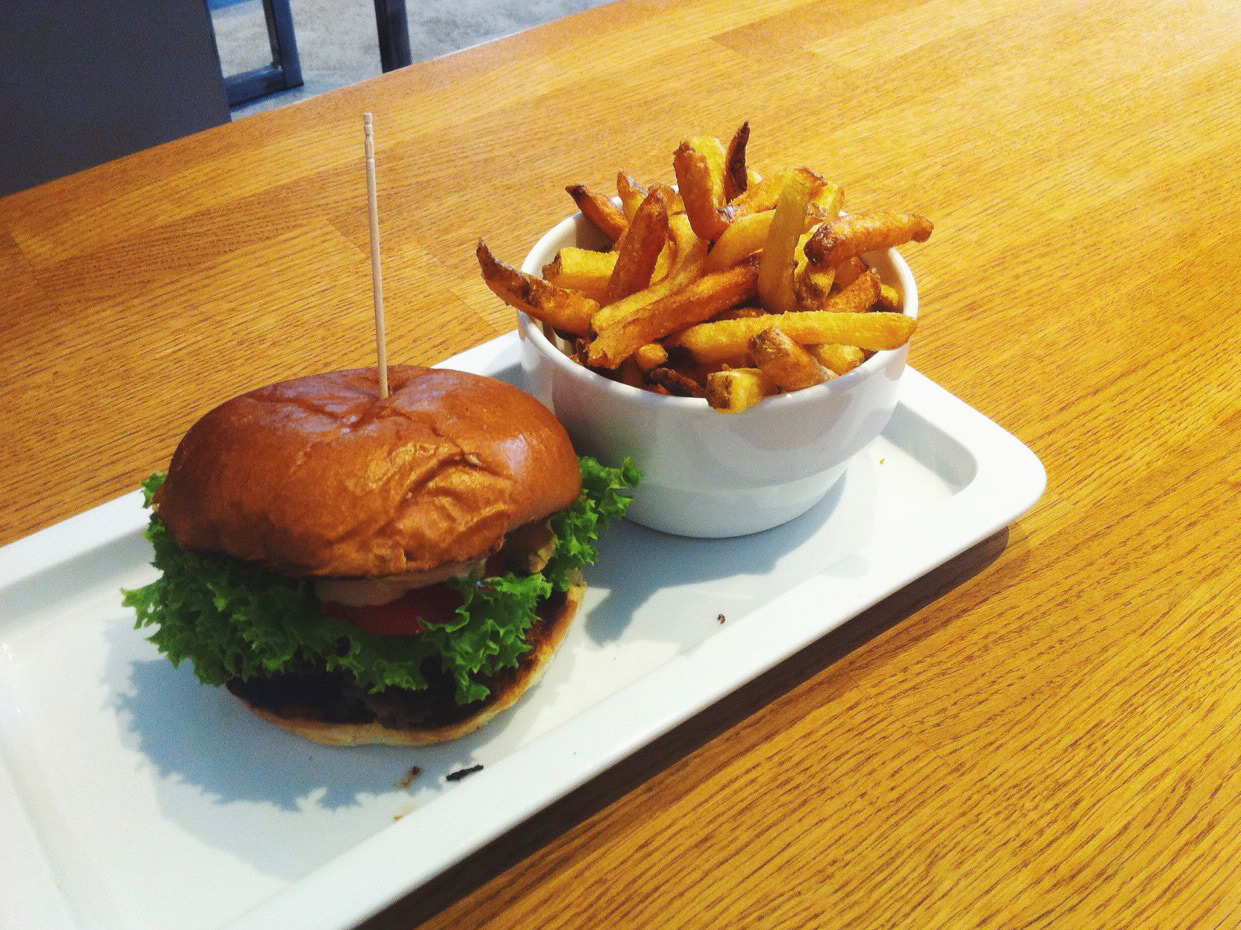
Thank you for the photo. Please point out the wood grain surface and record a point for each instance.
(1044, 733)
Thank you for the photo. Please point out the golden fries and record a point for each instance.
(741, 239)
(650, 356)
(639, 249)
(735, 390)
(736, 177)
(890, 299)
(559, 308)
(631, 194)
(775, 270)
(581, 270)
(675, 382)
(812, 285)
(599, 210)
(851, 235)
(691, 253)
(734, 286)
(700, 166)
(826, 202)
(848, 272)
(858, 297)
(699, 301)
(837, 358)
(786, 363)
(726, 339)
(671, 196)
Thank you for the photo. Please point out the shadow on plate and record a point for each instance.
(202, 736)
(636, 562)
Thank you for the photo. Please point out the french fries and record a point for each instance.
(858, 297)
(650, 356)
(786, 363)
(733, 286)
(631, 194)
(736, 176)
(726, 339)
(675, 382)
(558, 307)
(848, 272)
(691, 254)
(826, 202)
(848, 236)
(775, 270)
(700, 301)
(812, 285)
(581, 270)
(700, 167)
(838, 359)
(736, 390)
(599, 210)
(638, 250)
(744, 237)
(890, 299)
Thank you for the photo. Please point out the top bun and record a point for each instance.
(318, 476)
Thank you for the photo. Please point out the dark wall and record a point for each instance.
(86, 81)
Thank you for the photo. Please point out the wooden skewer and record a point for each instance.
(377, 283)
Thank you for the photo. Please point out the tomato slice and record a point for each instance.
(435, 603)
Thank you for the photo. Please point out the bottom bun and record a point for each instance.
(506, 689)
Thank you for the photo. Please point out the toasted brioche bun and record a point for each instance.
(505, 690)
(319, 477)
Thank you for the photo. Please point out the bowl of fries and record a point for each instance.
(740, 346)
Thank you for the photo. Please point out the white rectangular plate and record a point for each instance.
(133, 797)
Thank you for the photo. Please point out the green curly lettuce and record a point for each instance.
(235, 619)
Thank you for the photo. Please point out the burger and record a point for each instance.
(364, 570)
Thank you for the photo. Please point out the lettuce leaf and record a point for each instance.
(231, 618)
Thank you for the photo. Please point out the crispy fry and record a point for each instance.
(855, 233)
(581, 270)
(859, 296)
(638, 251)
(736, 390)
(812, 285)
(741, 313)
(663, 264)
(827, 201)
(775, 271)
(671, 196)
(890, 299)
(599, 210)
(785, 362)
(691, 253)
(736, 177)
(652, 355)
(629, 373)
(849, 272)
(559, 308)
(715, 342)
(631, 194)
(699, 301)
(747, 234)
(699, 167)
(761, 195)
(837, 358)
(744, 236)
(676, 382)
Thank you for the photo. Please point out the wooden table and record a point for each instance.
(1045, 732)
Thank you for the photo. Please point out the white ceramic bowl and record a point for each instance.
(710, 474)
